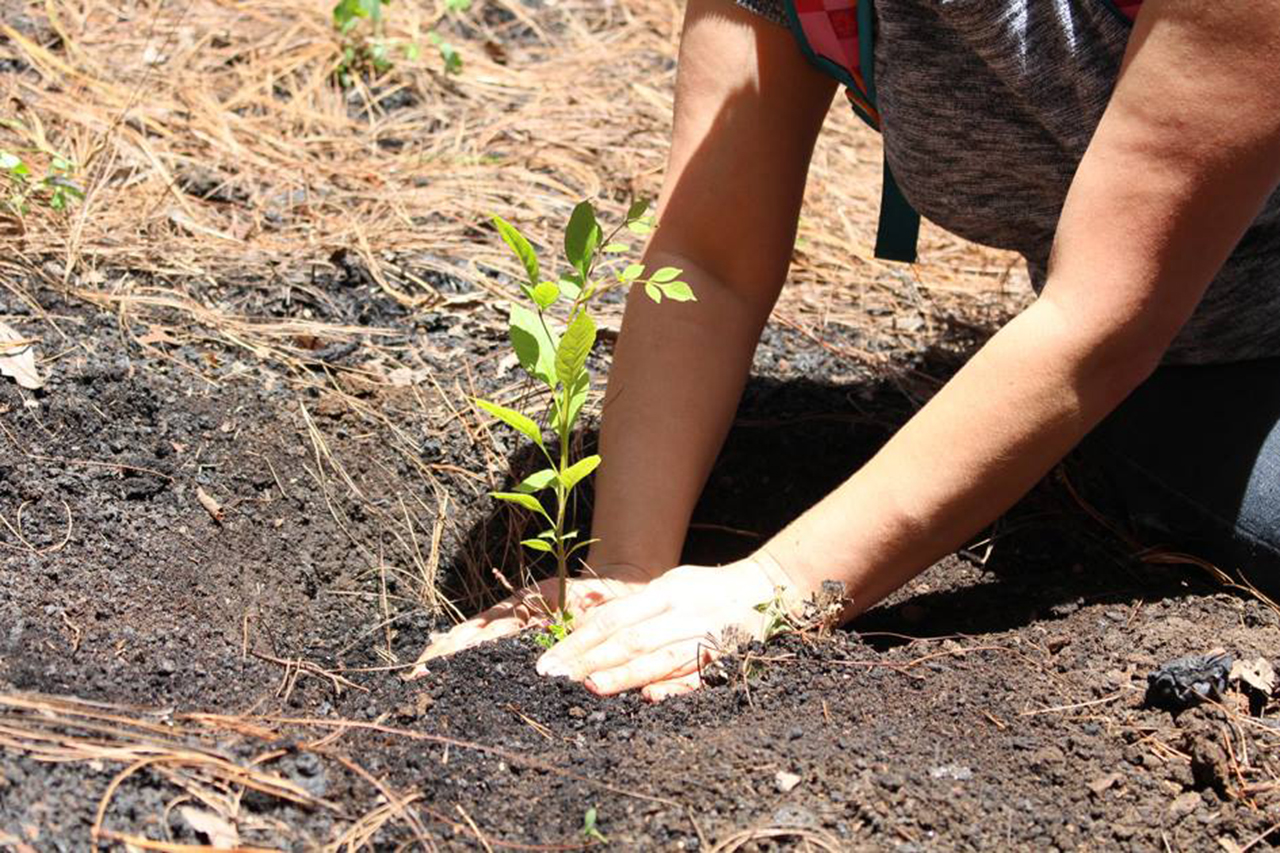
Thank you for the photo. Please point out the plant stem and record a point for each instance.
(562, 500)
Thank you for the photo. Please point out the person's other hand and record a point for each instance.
(659, 638)
(528, 607)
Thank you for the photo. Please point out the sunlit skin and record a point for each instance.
(1185, 156)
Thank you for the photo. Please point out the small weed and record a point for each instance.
(777, 617)
(55, 189)
(554, 352)
(590, 831)
(556, 630)
(367, 50)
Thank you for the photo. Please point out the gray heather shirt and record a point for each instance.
(987, 108)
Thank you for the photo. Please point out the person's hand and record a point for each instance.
(528, 607)
(659, 637)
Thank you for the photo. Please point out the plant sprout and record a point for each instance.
(56, 187)
(555, 354)
(374, 53)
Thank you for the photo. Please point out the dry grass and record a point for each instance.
(206, 764)
(213, 143)
(223, 165)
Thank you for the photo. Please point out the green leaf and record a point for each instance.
(574, 474)
(570, 286)
(577, 399)
(551, 535)
(679, 291)
(631, 272)
(452, 59)
(545, 294)
(513, 419)
(586, 543)
(640, 227)
(412, 51)
(535, 346)
(529, 502)
(520, 246)
(652, 291)
(581, 237)
(575, 346)
(457, 5)
(537, 545)
(616, 248)
(347, 14)
(665, 274)
(537, 481)
(637, 209)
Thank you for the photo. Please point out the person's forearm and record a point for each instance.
(1159, 201)
(677, 374)
(748, 108)
(995, 429)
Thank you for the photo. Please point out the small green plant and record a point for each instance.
(373, 52)
(554, 352)
(777, 617)
(55, 188)
(590, 832)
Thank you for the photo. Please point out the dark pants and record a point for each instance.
(1193, 456)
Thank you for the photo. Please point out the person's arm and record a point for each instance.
(1185, 156)
(748, 108)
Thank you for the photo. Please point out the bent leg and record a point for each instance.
(1194, 454)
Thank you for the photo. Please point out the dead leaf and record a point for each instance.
(786, 781)
(221, 834)
(156, 335)
(18, 358)
(210, 505)
(1258, 674)
(1103, 783)
(402, 377)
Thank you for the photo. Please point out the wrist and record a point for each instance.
(792, 588)
(618, 568)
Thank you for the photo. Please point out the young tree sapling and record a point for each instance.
(553, 350)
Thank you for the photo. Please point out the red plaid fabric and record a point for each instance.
(1129, 8)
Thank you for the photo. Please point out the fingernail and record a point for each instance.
(552, 667)
(598, 683)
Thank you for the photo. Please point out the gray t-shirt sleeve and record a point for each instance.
(770, 9)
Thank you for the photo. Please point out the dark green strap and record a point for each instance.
(899, 228)
(867, 47)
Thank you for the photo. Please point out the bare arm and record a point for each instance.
(1184, 158)
(748, 109)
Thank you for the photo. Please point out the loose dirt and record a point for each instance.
(996, 703)
(253, 484)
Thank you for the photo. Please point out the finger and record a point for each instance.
(661, 665)
(658, 691)
(629, 644)
(504, 618)
(598, 625)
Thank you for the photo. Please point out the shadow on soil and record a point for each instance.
(795, 440)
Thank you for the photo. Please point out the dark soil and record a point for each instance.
(996, 703)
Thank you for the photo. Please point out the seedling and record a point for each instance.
(372, 51)
(55, 188)
(589, 830)
(554, 352)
